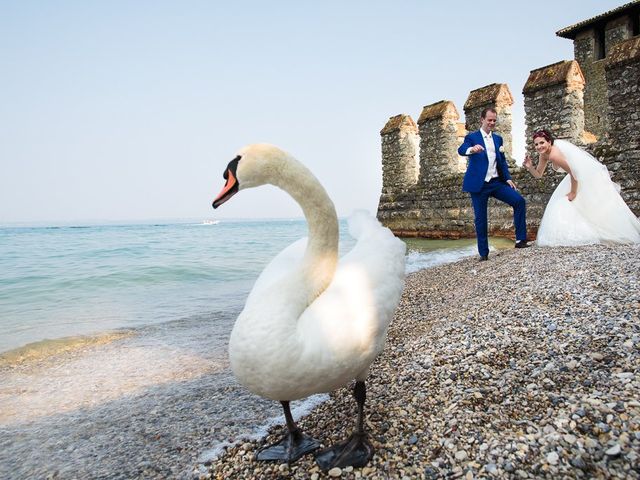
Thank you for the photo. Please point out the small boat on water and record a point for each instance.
(210, 222)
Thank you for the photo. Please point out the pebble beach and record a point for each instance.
(525, 366)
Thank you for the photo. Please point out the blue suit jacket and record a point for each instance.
(478, 163)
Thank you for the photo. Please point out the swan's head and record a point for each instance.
(254, 165)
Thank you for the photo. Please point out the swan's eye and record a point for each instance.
(233, 165)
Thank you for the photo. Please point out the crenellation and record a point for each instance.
(553, 99)
(438, 130)
(400, 162)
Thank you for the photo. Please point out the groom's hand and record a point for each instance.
(512, 185)
(476, 149)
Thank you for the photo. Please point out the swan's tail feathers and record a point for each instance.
(362, 223)
(380, 252)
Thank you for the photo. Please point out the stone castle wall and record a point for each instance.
(434, 206)
(620, 150)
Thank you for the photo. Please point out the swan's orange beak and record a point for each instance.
(229, 190)
(231, 186)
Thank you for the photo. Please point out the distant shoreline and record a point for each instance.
(134, 222)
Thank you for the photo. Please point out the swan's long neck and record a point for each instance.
(321, 257)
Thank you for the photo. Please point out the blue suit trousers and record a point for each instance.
(502, 191)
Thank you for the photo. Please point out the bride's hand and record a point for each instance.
(571, 196)
(527, 161)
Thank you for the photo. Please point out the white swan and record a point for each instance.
(312, 324)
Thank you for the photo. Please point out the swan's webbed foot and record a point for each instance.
(355, 451)
(292, 446)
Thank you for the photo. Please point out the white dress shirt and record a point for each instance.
(492, 171)
(490, 148)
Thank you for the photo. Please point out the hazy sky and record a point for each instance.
(130, 110)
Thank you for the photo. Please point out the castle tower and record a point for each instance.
(438, 129)
(400, 167)
(593, 41)
(498, 96)
(623, 74)
(553, 100)
(623, 142)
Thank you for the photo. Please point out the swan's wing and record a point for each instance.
(281, 264)
(347, 323)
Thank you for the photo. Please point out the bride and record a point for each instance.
(586, 207)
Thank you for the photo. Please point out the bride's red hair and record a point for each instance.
(544, 134)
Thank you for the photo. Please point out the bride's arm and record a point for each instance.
(558, 158)
(538, 171)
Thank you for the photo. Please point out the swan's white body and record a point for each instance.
(312, 323)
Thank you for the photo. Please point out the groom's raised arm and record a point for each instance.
(465, 149)
(462, 150)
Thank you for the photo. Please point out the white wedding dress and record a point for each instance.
(598, 214)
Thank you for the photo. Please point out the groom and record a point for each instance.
(487, 176)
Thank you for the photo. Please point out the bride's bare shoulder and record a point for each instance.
(555, 153)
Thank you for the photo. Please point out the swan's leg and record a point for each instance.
(356, 450)
(293, 445)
